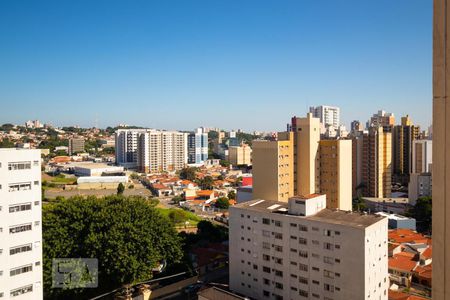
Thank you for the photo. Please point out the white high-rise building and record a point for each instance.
(328, 115)
(301, 250)
(20, 224)
(161, 151)
(127, 146)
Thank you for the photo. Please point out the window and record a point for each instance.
(328, 260)
(337, 246)
(266, 257)
(293, 263)
(327, 232)
(24, 186)
(303, 280)
(303, 254)
(36, 202)
(21, 270)
(315, 282)
(266, 221)
(293, 237)
(266, 245)
(328, 274)
(302, 228)
(278, 285)
(266, 281)
(302, 241)
(278, 273)
(278, 248)
(21, 290)
(293, 225)
(266, 269)
(20, 228)
(328, 246)
(36, 182)
(20, 207)
(303, 267)
(266, 293)
(303, 293)
(278, 224)
(315, 269)
(278, 236)
(20, 165)
(278, 260)
(328, 287)
(20, 249)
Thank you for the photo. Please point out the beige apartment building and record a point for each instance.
(335, 173)
(298, 163)
(377, 163)
(273, 176)
(422, 156)
(306, 155)
(76, 145)
(240, 155)
(159, 151)
(301, 250)
(441, 153)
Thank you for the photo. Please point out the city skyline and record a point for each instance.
(140, 62)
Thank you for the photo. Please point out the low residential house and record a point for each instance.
(423, 275)
(161, 190)
(401, 268)
(396, 295)
(209, 258)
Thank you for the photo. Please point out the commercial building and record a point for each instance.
(197, 146)
(76, 145)
(441, 153)
(127, 147)
(329, 115)
(335, 173)
(377, 163)
(422, 156)
(94, 169)
(420, 185)
(240, 155)
(301, 250)
(20, 224)
(273, 168)
(403, 137)
(160, 151)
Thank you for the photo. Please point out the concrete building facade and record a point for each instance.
(329, 115)
(420, 185)
(441, 153)
(300, 250)
(127, 146)
(20, 224)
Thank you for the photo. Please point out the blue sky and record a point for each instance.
(248, 64)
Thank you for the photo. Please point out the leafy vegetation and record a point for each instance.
(223, 203)
(180, 216)
(188, 173)
(422, 212)
(206, 183)
(120, 189)
(128, 236)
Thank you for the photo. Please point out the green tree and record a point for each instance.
(126, 235)
(209, 232)
(120, 189)
(224, 163)
(206, 183)
(223, 203)
(177, 199)
(232, 195)
(178, 216)
(188, 173)
(422, 212)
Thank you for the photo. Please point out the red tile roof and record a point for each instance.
(394, 295)
(402, 263)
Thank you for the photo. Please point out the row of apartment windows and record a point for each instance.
(21, 270)
(20, 207)
(22, 290)
(21, 165)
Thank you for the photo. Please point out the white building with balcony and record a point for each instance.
(20, 224)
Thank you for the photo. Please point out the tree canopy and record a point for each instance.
(128, 236)
(223, 203)
(188, 173)
(422, 213)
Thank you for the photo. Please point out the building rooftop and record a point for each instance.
(387, 200)
(215, 293)
(354, 219)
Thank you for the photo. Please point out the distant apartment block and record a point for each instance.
(403, 137)
(382, 119)
(76, 145)
(197, 146)
(422, 156)
(20, 224)
(160, 151)
(335, 173)
(240, 155)
(301, 250)
(420, 185)
(328, 115)
(127, 147)
(273, 168)
(299, 163)
(376, 169)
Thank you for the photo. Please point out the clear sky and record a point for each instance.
(249, 64)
